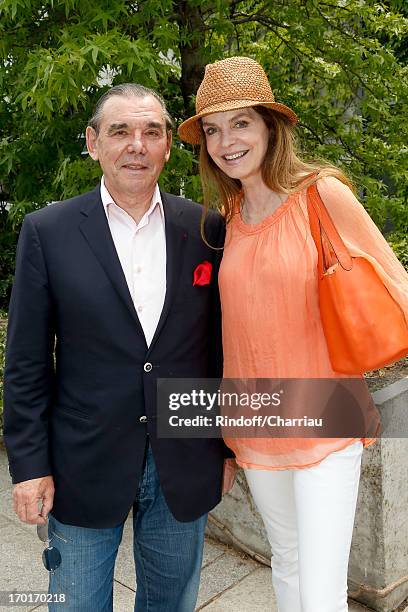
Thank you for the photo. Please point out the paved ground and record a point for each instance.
(230, 582)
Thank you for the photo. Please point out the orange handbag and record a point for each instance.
(364, 326)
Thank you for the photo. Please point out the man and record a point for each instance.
(104, 282)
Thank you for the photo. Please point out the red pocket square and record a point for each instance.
(202, 273)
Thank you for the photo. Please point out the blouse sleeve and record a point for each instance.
(363, 238)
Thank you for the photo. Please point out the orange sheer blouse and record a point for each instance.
(270, 311)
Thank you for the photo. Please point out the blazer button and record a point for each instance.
(148, 367)
(143, 419)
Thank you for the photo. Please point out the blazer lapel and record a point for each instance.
(96, 231)
(176, 238)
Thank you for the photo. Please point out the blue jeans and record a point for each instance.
(167, 553)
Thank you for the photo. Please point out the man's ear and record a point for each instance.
(168, 147)
(91, 138)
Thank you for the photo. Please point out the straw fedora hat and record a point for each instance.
(235, 82)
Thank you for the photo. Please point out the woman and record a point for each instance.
(305, 488)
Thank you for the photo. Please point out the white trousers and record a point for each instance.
(309, 516)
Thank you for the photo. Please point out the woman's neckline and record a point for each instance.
(251, 228)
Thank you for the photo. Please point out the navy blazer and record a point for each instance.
(75, 381)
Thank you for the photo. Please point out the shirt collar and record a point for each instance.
(108, 200)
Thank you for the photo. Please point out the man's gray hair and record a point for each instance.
(128, 90)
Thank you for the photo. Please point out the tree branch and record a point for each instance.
(333, 25)
(315, 134)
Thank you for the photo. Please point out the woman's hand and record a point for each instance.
(230, 472)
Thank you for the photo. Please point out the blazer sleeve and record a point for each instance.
(363, 238)
(216, 238)
(29, 369)
(215, 235)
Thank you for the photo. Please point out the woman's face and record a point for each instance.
(237, 142)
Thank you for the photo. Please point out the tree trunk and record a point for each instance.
(191, 26)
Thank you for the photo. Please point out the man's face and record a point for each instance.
(132, 145)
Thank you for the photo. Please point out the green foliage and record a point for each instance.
(341, 66)
(8, 243)
(76, 176)
(399, 243)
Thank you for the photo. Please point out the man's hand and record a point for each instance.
(230, 471)
(26, 496)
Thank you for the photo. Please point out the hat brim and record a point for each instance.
(190, 129)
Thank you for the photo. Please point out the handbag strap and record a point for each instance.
(320, 219)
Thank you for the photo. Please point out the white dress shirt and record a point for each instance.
(141, 248)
